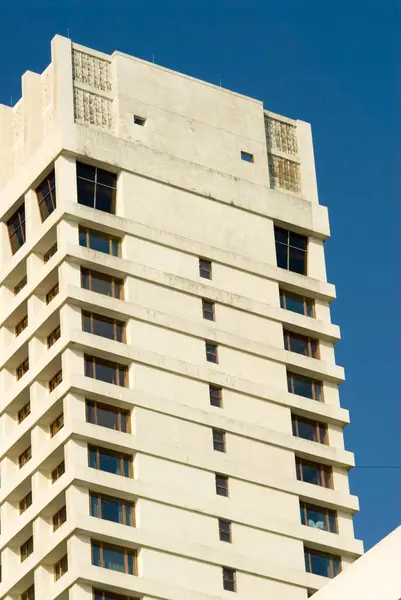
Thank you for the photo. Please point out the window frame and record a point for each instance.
(110, 320)
(55, 381)
(208, 309)
(53, 336)
(225, 531)
(20, 285)
(122, 456)
(19, 215)
(98, 185)
(26, 549)
(205, 268)
(127, 551)
(58, 471)
(247, 156)
(311, 344)
(288, 247)
(121, 371)
(116, 409)
(50, 252)
(308, 303)
(325, 472)
(25, 502)
(229, 579)
(24, 412)
(124, 504)
(110, 595)
(29, 594)
(87, 231)
(316, 386)
(21, 325)
(52, 293)
(57, 425)
(22, 369)
(59, 518)
(296, 420)
(329, 516)
(89, 273)
(212, 353)
(61, 567)
(221, 482)
(50, 181)
(215, 395)
(219, 440)
(25, 457)
(308, 553)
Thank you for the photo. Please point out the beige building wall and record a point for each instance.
(183, 193)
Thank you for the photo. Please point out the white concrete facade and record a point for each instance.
(184, 192)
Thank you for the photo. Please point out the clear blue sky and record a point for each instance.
(330, 63)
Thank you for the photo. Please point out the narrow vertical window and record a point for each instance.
(215, 396)
(46, 195)
(16, 229)
(208, 310)
(225, 531)
(229, 583)
(219, 440)
(211, 352)
(221, 485)
(205, 268)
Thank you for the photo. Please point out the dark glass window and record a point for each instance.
(221, 485)
(58, 471)
(29, 594)
(315, 431)
(96, 188)
(21, 284)
(215, 395)
(229, 579)
(57, 425)
(23, 324)
(97, 240)
(219, 440)
(25, 457)
(211, 352)
(110, 461)
(301, 344)
(51, 252)
(115, 558)
(60, 568)
(247, 156)
(291, 250)
(106, 370)
(53, 336)
(26, 549)
(224, 530)
(304, 386)
(55, 381)
(320, 563)
(208, 310)
(296, 303)
(25, 503)
(318, 517)
(52, 293)
(103, 326)
(205, 268)
(16, 229)
(59, 518)
(24, 412)
(22, 369)
(108, 416)
(102, 283)
(315, 473)
(103, 595)
(112, 509)
(46, 195)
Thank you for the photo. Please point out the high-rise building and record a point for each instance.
(170, 421)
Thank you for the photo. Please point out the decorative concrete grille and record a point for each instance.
(91, 71)
(92, 109)
(284, 174)
(281, 136)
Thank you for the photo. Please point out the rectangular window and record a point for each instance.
(139, 120)
(211, 352)
(57, 425)
(228, 579)
(25, 457)
(58, 471)
(22, 369)
(103, 326)
(117, 463)
(23, 324)
(247, 157)
(296, 303)
(46, 195)
(115, 558)
(106, 370)
(225, 531)
(108, 416)
(53, 336)
(24, 412)
(16, 229)
(59, 518)
(308, 429)
(29, 594)
(25, 503)
(61, 568)
(52, 293)
(96, 188)
(305, 386)
(102, 595)
(51, 252)
(318, 517)
(208, 309)
(320, 563)
(97, 240)
(215, 395)
(205, 268)
(102, 283)
(21, 284)
(219, 440)
(221, 485)
(301, 344)
(291, 250)
(315, 473)
(112, 509)
(26, 549)
(55, 381)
